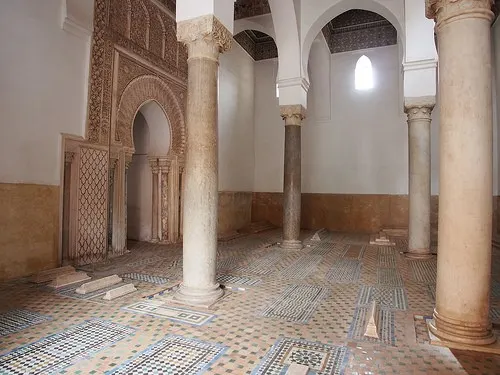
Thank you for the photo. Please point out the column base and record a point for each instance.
(419, 254)
(291, 245)
(198, 297)
(459, 332)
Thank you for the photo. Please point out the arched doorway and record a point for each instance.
(148, 149)
(151, 137)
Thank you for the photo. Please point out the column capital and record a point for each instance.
(205, 31)
(164, 164)
(419, 108)
(293, 114)
(444, 11)
(128, 160)
(113, 162)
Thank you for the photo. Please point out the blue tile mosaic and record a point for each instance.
(344, 271)
(385, 326)
(145, 277)
(320, 358)
(18, 319)
(53, 353)
(297, 303)
(173, 355)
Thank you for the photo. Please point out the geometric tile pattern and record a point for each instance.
(355, 251)
(423, 271)
(16, 320)
(495, 314)
(92, 236)
(495, 290)
(325, 248)
(387, 297)
(175, 355)
(56, 352)
(320, 358)
(302, 267)
(386, 257)
(344, 271)
(297, 303)
(145, 277)
(389, 276)
(145, 261)
(239, 325)
(237, 280)
(180, 315)
(262, 266)
(385, 326)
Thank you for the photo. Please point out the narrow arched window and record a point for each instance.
(363, 75)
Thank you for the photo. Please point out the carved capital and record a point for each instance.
(128, 160)
(293, 114)
(153, 163)
(113, 162)
(419, 108)
(69, 157)
(444, 11)
(205, 36)
(164, 164)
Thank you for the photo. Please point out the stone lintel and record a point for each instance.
(293, 114)
(207, 28)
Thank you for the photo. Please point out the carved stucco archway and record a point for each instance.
(139, 91)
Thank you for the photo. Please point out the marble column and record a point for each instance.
(156, 197)
(293, 116)
(205, 38)
(463, 31)
(419, 145)
(68, 160)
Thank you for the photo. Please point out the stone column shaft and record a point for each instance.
(419, 146)
(465, 202)
(155, 199)
(293, 116)
(206, 38)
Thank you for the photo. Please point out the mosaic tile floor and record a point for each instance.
(304, 307)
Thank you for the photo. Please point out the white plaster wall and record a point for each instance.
(43, 80)
(269, 129)
(236, 120)
(361, 149)
(222, 9)
(159, 129)
(140, 185)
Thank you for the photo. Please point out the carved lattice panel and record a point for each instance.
(92, 206)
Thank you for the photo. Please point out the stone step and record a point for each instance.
(118, 292)
(49, 275)
(372, 318)
(94, 285)
(69, 279)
